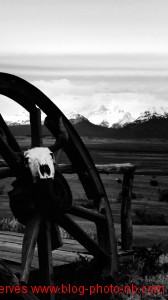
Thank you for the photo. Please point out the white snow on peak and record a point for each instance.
(21, 118)
(152, 112)
(18, 119)
(107, 116)
(126, 119)
(75, 117)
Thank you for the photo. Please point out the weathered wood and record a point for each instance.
(17, 239)
(77, 232)
(68, 169)
(102, 169)
(2, 163)
(8, 278)
(126, 217)
(6, 172)
(11, 249)
(68, 246)
(57, 155)
(29, 96)
(60, 258)
(62, 254)
(117, 168)
(106, 239)
(28, 247)
(36, 128)
(61, 132)
(56, 240)
(85, 213)
(45, 258)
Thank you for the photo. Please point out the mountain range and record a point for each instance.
(105, 116)
(103, 122)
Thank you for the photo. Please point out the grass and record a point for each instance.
(138, 272)
(148, 156)
(147, 197)
(11, 224)
(146, 269)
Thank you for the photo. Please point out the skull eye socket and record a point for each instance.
(26, 160)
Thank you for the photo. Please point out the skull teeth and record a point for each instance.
(45, 170)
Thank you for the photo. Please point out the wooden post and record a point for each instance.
(36, 130)
(107, 240)
(45, 258)
(126, 217)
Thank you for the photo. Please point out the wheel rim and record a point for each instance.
(29, 97)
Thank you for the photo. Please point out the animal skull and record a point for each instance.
(40, 161)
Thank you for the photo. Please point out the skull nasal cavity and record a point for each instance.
(44, 169)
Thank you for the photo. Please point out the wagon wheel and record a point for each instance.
(32, 100)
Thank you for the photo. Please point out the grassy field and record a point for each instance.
(147, 155)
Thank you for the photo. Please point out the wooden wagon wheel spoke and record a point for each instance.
(45, 257)
(28, 247)
(31, 98)
(61, 140)
(57, 157)
(69, 225)
(60, 133)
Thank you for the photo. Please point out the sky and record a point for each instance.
(83, 54)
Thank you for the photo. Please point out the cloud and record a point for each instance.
(85, 94)
(53, 88)
(132, 94)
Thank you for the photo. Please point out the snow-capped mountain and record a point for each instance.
(18, 119)
(21, 118)
(126, 119)
(24, 119)
(114, 117)
(153, 112)
(75, 117)
(110, 116)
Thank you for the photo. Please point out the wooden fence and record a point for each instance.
(128, 171)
